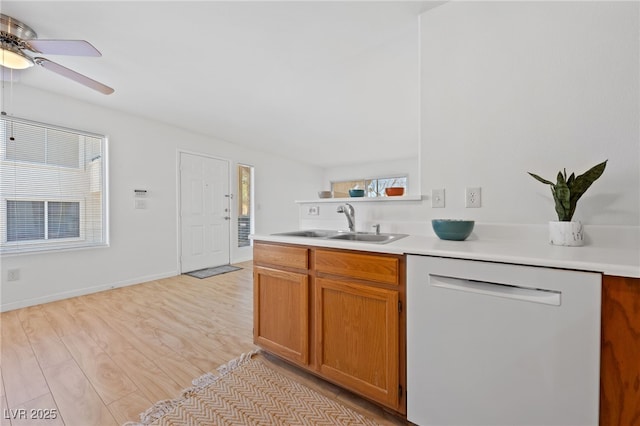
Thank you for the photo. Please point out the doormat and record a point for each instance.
(210, 272)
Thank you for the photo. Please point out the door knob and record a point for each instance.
(227, 218)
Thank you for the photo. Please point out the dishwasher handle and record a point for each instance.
(547, 297)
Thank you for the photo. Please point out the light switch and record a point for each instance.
(437, 198)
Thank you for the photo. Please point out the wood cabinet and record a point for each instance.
(348, 306)
(620, 352)
(281, 301)
(358, 328)
(357, 338)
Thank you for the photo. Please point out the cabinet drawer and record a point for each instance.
(272, 254)
(371, 267)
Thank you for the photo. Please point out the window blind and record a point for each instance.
(52, 187)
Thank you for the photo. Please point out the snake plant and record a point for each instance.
(567, 191)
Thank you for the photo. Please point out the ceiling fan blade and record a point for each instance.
(75, 76)
(63, 47)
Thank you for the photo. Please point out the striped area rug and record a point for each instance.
(247, 392)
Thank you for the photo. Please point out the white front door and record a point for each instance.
(204, 212)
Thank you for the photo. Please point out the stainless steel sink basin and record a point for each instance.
(314, 233)
(368, 238)
(365, 237)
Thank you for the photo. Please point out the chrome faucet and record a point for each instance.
(350, 213)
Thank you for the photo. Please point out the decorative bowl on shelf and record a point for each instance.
(394, 192)
(324, 194)
(356, 193)
(452, 229)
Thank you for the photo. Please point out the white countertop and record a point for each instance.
(620, 261)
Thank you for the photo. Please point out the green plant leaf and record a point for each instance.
(562, 198)
(540, 179)
(584, 181)
(561, 180)
(567, 192)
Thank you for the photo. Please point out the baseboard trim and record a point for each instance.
(83, 291)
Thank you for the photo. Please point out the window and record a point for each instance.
(373, 187)
(42, 220)
(52, 189)
(245, 204)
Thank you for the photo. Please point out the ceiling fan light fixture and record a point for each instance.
(16, 36)
(14, 59)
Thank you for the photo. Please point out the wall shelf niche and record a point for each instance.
(361, 199)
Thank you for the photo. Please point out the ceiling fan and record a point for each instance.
(16, 38)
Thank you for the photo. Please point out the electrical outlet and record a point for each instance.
(437, 198)
(473, 198)
(13, 274)
(313, 211)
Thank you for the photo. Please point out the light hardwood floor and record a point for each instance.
(103, 358)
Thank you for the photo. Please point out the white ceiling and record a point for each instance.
(328, 82)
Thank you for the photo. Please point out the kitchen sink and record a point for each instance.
(368, 238)
(365, 237)
(314, 233)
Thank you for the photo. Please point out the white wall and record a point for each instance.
(512, 87)
(397, 216)
(143, 243)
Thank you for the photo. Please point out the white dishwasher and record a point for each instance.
(500, 344)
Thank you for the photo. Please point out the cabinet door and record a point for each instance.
(356, 332)
(281, 313)
(620, 352)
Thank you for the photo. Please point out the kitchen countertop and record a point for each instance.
(623, 261)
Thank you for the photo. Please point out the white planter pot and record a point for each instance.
(566, 234)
